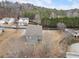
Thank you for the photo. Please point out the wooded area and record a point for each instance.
(71, 22)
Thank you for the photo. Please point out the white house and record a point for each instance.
(20, 22)
(23, 21)
(11, 20)
(2, 22)
(26, 21)
(72, 13)
(6, 20)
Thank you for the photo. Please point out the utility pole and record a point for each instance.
(18, 15)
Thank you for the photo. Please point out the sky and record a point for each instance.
(58, 4)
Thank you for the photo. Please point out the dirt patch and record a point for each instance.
(15, 45)
(52, 39)
(8, 34)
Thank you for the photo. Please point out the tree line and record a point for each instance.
(70, 22)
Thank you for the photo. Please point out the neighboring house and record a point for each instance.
(2, 22)
(75, 14)
(20, 22)
(23, 21)
(11, 20)
(72, 14)
(69, 13)
(6, 20)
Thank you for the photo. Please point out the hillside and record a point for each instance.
(14, 9)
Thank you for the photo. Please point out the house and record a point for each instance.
(23, 21)
(20, 22)
(6, 20)
(11, 20)
(2, 22)
(72, 13)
